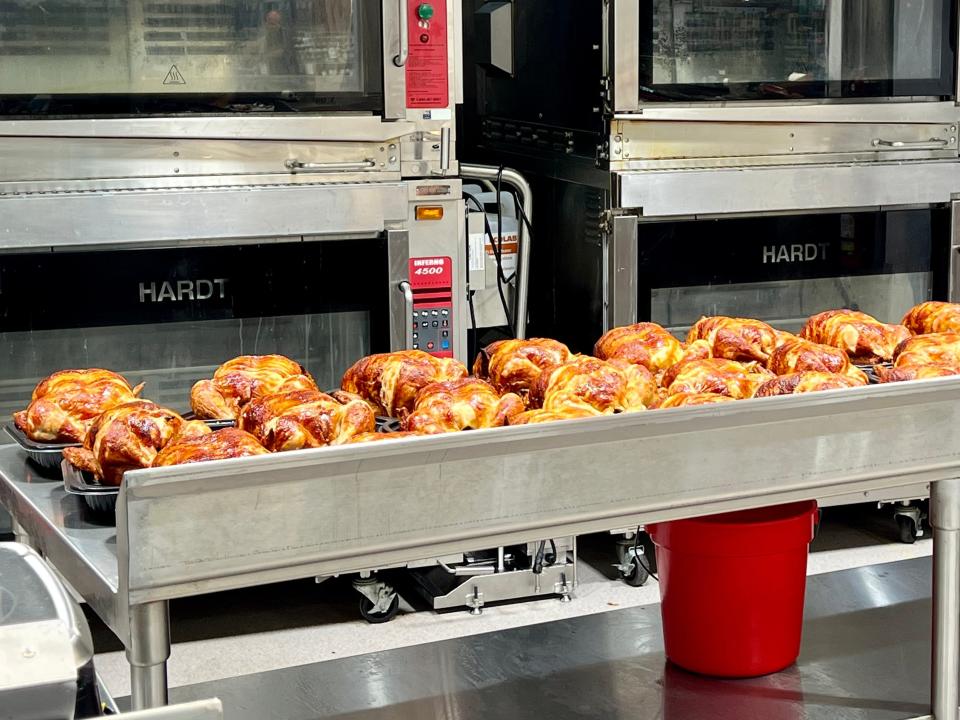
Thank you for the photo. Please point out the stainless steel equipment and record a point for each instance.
(313, 512)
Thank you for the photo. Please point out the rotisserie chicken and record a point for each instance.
(465, 404)
(536, 417)
(238, 381)
(799, 355)
(219, 445)
(735, 338)
(933, 317)
(390, 381)
(128, 437)
(864, 338)
(515, 365)
(588, 383)
(645, 344)
(380, 436)
(805, 382)
(933, 349)
(65, 404)
(686, 399)
(306, 419)
(716, 375)
(919, 372)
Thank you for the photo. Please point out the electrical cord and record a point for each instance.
(641, 559)
(497, 256)
(538, 558)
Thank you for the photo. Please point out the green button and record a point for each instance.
(425, 11)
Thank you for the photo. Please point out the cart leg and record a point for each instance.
(147, 654)
(945, 512)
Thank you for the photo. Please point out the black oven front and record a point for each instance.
(169, 317)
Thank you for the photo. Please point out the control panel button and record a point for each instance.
(416, 335)
(424, 38)
(436, 324)
(434, 313)
(416, 346)
(446, 323)
(444, 344)
(429, 346)
(444, 333)
(444, 312)
(425, 11)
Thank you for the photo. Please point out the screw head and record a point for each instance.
(29, 652)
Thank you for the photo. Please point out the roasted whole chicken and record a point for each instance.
(537, 417)
(735, 338)
(799, 355)
(645, 344)
(306, 419)
(369, 437)
(715, 375)
(685, 399)
(515, 365)
(390, 381)
(238, 381)
(805, 382)
(934, 349)
(919, 372)
(591, 384)
(864, 338)
(129, 437)
(465, 404)
(219, 445)
(65, 404)
(933, 317)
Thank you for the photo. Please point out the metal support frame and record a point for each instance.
(147, 653)
(945, 681)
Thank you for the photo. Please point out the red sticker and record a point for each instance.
(427, 70)
(430, 273)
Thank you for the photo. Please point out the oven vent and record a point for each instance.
(202, 27)
(528, 135)
(55, 27)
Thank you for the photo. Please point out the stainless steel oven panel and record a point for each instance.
(621, 250)
(782, 189)
(159, 218)
(634, 145)
(626, 55)
(954, 288)
(897, 111)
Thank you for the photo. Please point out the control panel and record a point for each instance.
(428, 74)
(431, 280)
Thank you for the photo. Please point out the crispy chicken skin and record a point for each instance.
(864, 338)
(735, 338)
(686, 399)
(380, 436)
(390, 381)
(219, 445)
(645, 344)
(306, 419)
(129, 437)
(588, 383)
(932, 349)
(515, 365)
(805, 382)
(920, 372)
(933, 317)
(716, 375)
(65, 404)
(465, 404)
(537, 417)
(238, 381)
(799, 355)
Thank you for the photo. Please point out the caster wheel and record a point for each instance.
(637, 575)
(908, 529)
(374, 618)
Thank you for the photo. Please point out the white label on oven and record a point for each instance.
(476, 251)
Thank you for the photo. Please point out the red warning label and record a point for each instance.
(427, 75)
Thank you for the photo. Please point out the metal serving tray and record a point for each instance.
(46, 456)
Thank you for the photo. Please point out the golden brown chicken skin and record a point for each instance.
(538, 417)
(306, 419)
(799, 355)
(735, 338)
(370, 437)
(933, 317)
(686, 399)
(864, 338)
(932, 349)
(588, 383)
(238, 381)
(515, 365)
(919, 372)
(718, 376)
(65, 404)
(645, 344)
(220, 445)
(129, 437)
(805, 382)
(390, 382)
(465, 404)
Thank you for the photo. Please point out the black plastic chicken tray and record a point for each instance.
(46, 456)
(212, 424)
(99, 498)
(388, 425)
(871, 371)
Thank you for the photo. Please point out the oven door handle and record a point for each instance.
(295, 166)
(401, 59)
(931, 144)
(407, 289)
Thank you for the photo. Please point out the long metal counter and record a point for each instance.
(194, 529)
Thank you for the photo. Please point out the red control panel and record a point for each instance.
(427, 71)
(431, 279)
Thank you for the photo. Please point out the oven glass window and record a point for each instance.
(170, 317)
(783, 49)
(122, 57)
(784, 269)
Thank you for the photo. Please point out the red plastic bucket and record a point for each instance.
(732, 586)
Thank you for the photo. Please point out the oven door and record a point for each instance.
(169, 317)
(775, 50)
(782, 269)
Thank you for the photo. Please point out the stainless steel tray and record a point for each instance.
(99, 498)
(46, 456)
